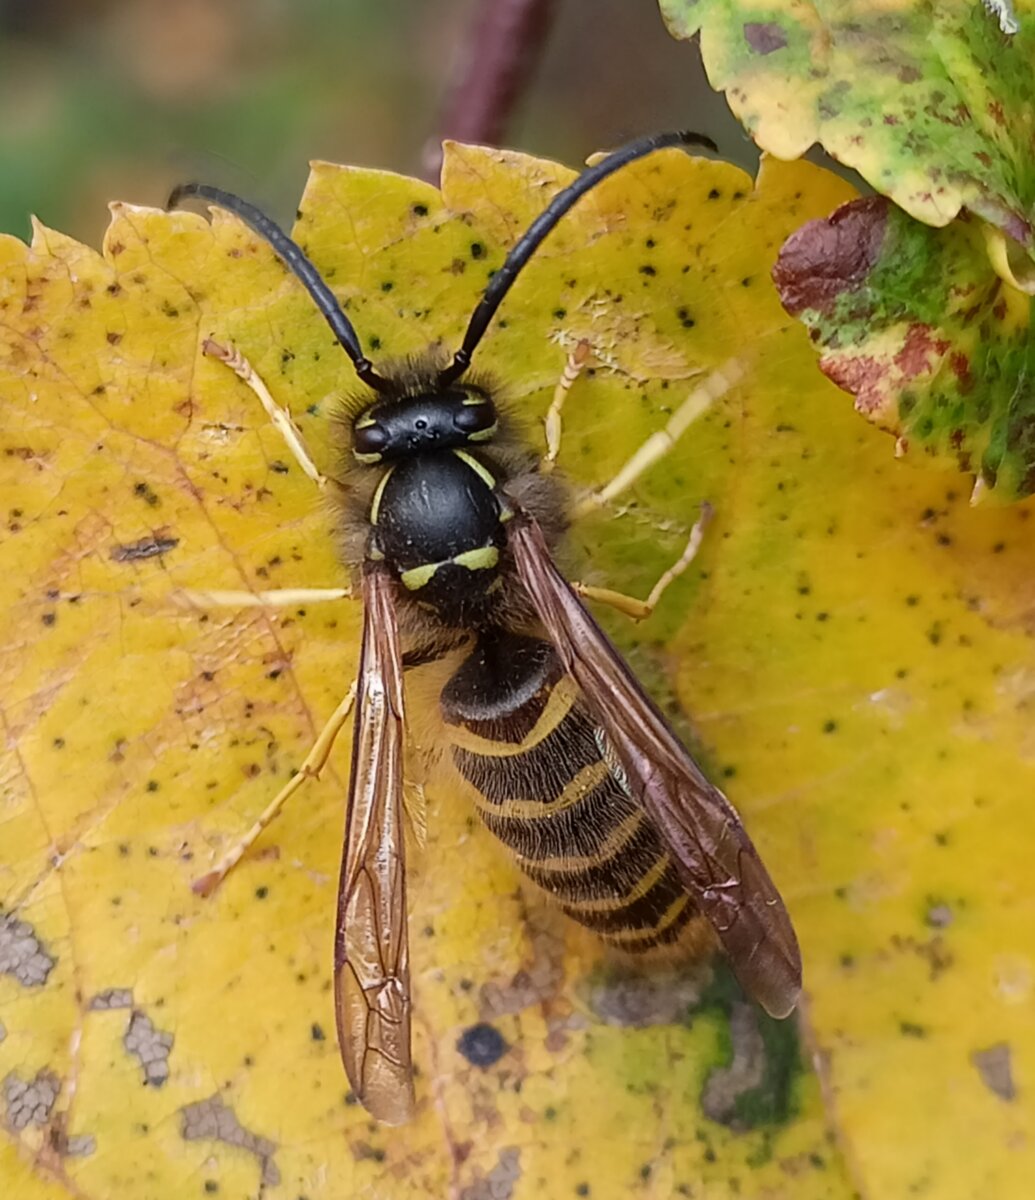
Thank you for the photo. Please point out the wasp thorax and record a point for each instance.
(428, 421)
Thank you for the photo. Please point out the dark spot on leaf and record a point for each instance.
(647, 269)
(764, 37)
(49, 618)
(482, 1045)
(419, 210)
(996, 1070)
(114, 339)
(714, 194)
(477, 250)
(911, 1029)
(152, 785)
(316, 1032)
(261, 892)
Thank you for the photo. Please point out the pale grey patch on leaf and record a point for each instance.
(745, 1073)
(82, 1145)
(22, 954)
(500, 1181)
(30, 1101)
(541, 979)
(654, 998)
(214, 1120)
(111, 998)
(995, 1067)
(3, 1031)
(150, 1046)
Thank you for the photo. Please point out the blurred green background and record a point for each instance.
(121, 99)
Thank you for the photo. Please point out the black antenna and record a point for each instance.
(540, 228)
(294, 257)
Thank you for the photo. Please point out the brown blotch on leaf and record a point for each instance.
(827, 257)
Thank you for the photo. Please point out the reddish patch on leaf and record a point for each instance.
(827, 258)
(921, 351)
(997, 113)
(764, 37)
(960, 365)
(864, 376)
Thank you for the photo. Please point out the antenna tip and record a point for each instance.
(182, 191)
(698, 139)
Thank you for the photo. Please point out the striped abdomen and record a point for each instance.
(549, 787)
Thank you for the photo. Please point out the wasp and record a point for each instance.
(448, 521)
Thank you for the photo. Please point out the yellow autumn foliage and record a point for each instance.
(853, 647)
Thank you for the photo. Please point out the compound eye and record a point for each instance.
(475, 417)
(369, 439)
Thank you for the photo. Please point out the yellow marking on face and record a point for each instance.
(532, 810)
(484, 435)
(367, 460)
(667, 918)
(416, 577)
(574, 864)
(557, 707)
(483, 558)
(482, 472)
(364, 422)
(375, 504)
(470, 401)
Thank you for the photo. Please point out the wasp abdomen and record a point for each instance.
(549, 787)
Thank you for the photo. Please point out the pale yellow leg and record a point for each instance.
(279, 415)
(659, 444)
(638, 610)
(573, 368)
(314, 763)
(275, 598)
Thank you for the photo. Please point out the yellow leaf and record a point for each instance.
(142, 736)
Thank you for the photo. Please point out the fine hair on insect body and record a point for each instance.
(449, 520)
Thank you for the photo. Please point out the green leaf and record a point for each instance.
(918, 327)
(931, 102)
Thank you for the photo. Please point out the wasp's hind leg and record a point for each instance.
(639, 610)
(311, 767)
(716, 385)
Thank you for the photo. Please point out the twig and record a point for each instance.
(497, 60)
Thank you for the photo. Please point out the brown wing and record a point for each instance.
(716, 859)
(371, 956)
